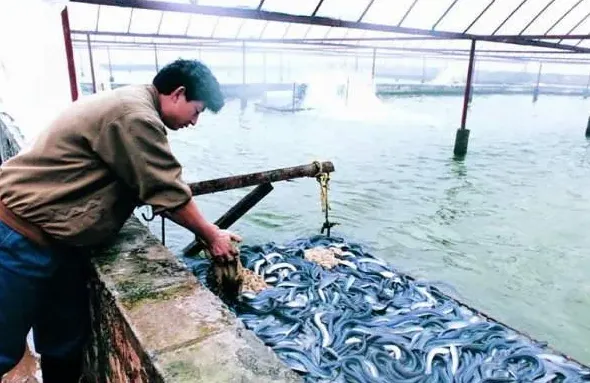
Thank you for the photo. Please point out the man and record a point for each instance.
(74, 188)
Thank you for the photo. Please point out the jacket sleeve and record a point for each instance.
(137, 151)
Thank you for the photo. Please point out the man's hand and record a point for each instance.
(221, 246)
(219, 242)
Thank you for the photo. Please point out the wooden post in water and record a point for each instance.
(462, 136)
(536, 91)
(588, 128)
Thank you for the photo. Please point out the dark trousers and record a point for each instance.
(46, 290)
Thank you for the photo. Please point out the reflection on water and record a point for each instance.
(503, 229)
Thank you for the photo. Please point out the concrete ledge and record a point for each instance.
(153, 321)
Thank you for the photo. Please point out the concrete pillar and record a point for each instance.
(461, 142)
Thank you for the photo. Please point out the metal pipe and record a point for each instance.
(255, 39)
(91, 63)
(232, 215)
(245, 180)
(468, 85)
(65, 23)
(309, 40)
(491, 54)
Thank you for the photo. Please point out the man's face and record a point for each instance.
(179, 113)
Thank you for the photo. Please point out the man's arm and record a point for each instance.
(136, 149)
(218, 241)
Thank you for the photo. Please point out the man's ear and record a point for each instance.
(176, 93)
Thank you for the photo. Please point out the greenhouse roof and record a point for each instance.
(541, 26)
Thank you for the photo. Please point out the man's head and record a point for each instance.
(186, 88)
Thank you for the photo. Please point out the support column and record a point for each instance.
(243, 98)
(156, 58)
(293, 97)
(65, 22)
(373, 67)
(588, 128)
(91, 63)
(111, 77)
(536, 91)
(462, 136)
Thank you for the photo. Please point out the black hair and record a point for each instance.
(196, 77)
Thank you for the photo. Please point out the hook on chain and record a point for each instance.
(151, 217)
(323, 178)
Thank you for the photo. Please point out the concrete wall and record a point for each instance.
(152, 321)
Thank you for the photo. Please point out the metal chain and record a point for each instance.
(323, 179)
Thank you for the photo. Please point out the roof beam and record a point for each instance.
(407, 13)
(444, 14)
(387, 52)
(575, 26)
(365, 11)
(479, 16)
(537, 16)
(509, 16)
(324, 21)
(563, 16)
(317, 8)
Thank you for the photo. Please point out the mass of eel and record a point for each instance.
(335, 313)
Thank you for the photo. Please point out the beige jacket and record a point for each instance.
(102, 157)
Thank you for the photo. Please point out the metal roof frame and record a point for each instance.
(258, 13)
